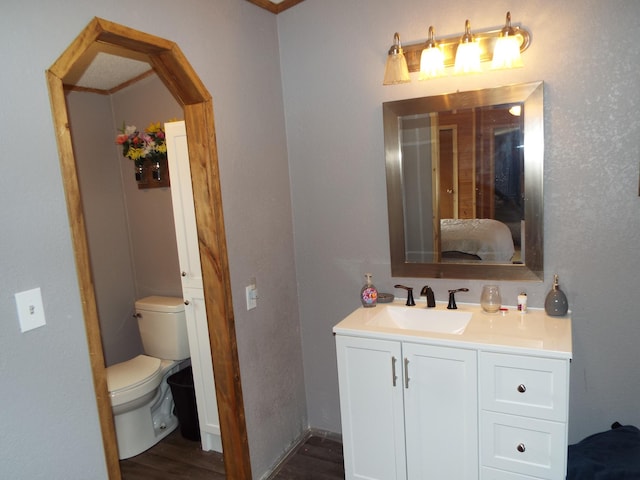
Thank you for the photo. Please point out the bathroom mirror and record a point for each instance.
(464, 184)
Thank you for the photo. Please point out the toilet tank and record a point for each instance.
(163, 327)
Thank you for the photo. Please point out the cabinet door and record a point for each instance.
(183, 209)
(370, 381)
(441, 412)
(203, 380)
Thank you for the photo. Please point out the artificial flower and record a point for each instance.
(139, 146)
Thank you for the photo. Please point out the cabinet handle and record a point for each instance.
(186, 302)
(521, 448)
(522, 388)
(394, 377)
(406, 372)
(184, 274)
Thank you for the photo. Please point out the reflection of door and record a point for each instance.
(457, 164)
(448, 173)
(192, 286)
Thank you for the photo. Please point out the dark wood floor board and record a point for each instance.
(318, 458)
(176, 458)
(321, 447)
(175, 448)
(160, 468)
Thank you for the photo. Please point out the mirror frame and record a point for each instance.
(532, 96)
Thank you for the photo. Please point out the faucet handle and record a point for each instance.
(410, 301)
(452, 299)
(428, 292)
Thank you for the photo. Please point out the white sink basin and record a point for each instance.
(422, 319)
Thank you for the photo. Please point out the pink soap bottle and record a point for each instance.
(369, 294)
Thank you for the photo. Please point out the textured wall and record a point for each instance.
(50, 427)
(105, 216)
(332, 81)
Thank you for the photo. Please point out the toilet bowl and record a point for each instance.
(141, 399)
(133, 383)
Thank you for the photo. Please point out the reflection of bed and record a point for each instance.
(485, 238)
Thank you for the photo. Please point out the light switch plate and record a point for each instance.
(30, 309)
(252, 296)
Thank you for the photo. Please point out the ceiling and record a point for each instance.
(106, 69)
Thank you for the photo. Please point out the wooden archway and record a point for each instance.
(184, 84)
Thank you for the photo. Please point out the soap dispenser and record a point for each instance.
(369, 294)
(556, 302)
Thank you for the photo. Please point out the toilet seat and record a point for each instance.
(133, 379)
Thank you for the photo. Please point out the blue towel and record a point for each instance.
(610, 455)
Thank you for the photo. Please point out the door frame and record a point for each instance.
(181, 80)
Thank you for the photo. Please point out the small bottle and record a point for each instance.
(369, 294)
(556, 303)
(522, 302)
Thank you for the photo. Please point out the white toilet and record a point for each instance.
(140, 396)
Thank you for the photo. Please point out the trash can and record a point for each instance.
(184, 397)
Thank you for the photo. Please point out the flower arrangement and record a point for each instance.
(139, 146)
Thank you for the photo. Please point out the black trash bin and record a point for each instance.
(184, 396)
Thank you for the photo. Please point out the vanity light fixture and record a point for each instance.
(506, 53)
(487, 44)
(431, 59)
(396, 70)
(467, 53)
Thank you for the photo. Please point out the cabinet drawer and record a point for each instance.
(493, 474)
(522, 385)
(523, 445)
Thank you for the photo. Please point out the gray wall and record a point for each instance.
(91, 120)
(332, 77)
(50, 426)
(149, 211)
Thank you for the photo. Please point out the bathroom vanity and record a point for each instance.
(460, 394)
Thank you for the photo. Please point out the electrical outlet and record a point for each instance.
(30, 309)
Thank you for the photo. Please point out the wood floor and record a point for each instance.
(319, 458)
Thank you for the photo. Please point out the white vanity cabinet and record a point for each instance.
(488, 400)
(408, 410)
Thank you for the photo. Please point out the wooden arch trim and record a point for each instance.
(184, 84)
(275, 7)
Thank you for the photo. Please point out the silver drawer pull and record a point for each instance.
(406, 372)
(394, 377)
(521, 448)
(522, 388)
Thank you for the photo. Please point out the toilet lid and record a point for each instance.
(131, 373)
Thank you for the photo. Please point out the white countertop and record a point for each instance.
(533, 332)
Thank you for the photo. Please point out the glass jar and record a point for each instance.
(490, 300)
